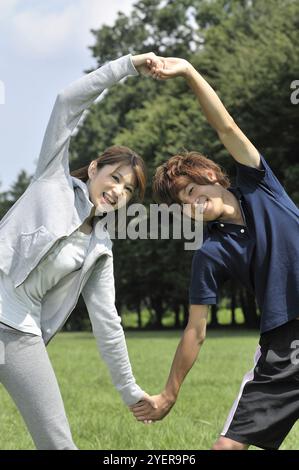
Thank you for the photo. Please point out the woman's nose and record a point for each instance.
(118, 190)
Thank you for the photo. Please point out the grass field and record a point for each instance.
(97, 416)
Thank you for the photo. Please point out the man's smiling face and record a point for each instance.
(206, 199)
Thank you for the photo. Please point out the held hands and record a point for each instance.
(169, 67)
(152, 408)
(161, 68)
(141, 62)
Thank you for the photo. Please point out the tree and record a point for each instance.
(8, 198)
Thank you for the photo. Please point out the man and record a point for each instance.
(251, 234)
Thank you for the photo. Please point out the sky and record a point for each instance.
(43, 47)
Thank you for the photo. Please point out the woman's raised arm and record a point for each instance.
(73, 100)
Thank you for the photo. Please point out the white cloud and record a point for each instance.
(94, 13)
(45, 34)
(7, 7)
(41, 34)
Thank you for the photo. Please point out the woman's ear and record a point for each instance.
(92, 169)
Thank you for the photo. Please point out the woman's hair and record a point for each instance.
(177, 172)
(118, 154)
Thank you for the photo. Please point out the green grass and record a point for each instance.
(97, 416)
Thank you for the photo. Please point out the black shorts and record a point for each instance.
(268, 402)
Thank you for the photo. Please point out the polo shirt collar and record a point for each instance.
(226, 227)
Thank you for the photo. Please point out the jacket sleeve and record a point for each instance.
(69, 106)
(99, 297)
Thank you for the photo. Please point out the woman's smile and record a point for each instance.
(108, 199)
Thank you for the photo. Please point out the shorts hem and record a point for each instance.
(244, 440)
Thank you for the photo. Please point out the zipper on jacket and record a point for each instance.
(74, 305)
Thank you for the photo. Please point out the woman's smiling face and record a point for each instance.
(110, 187)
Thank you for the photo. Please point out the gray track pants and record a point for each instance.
(27, 374)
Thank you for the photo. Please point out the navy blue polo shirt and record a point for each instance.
(263, 255)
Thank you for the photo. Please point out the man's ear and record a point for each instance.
(211, 175)
(92, 169)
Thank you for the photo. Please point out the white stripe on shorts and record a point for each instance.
(247, 378)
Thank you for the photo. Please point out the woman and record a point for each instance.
(245, 239)
(53, 246)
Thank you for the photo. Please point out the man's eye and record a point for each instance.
(115, 177)
(190, 191)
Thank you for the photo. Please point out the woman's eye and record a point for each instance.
(115, 177)
(190, 191)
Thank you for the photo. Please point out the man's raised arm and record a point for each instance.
(237, 144)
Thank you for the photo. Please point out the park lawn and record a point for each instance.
(97, 416)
